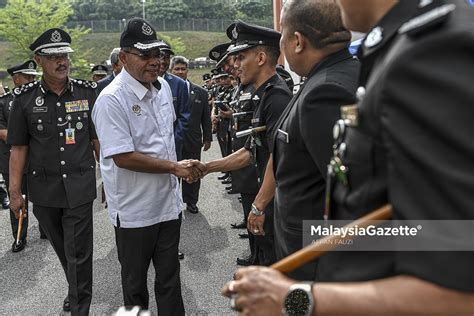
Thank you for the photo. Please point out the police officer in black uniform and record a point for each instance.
(303, 139)
(244, 180)
(254, 46)
(21, 74)
(50, 127)
(408, 142)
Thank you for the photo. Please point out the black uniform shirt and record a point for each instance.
(302, 149)
(6, 101)
(58, 131)
(270, 100)
(412, 146)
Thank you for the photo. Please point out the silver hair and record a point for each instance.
(114, 59)
(179, 60)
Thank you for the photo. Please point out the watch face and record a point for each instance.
(297, 302)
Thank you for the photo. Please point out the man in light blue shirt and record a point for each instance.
(134, 118)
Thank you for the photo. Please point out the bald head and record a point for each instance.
(318, 20)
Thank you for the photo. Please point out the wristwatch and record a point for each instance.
(255, 211)
(299, 300)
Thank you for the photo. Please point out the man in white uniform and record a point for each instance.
(134, 118)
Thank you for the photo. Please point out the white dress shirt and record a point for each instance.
(129, 117)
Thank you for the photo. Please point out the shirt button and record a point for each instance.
(61, 134)
(60, 119)
(64, 176)
(63, 163)
(34, 172)
(61, 148)
(58, 104)
(40, 121)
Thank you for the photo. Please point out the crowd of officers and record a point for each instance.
(281, 154)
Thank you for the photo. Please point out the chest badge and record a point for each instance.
(79, 125)
(374, 37)
(137, 110)
(10, 105)
(39, 101)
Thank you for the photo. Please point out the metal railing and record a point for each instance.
(206, 25)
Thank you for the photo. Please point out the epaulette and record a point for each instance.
(268, 86)
(5, 94)
(427, 21)
(84, 83)
(25, 88)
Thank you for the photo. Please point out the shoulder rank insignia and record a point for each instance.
(427, 20)
(24, 88)
(84, 83)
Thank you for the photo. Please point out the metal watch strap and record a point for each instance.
(255, 211)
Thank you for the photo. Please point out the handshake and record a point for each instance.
(190, 170)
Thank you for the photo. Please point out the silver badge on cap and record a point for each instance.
(215, 54)
(374, 37)
(79, 125)
(31, 66)
(147, 29)
(56, 37)
(235, 33)
(39, 101)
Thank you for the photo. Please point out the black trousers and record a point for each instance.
(136, 247)
(70, 232)
(191, 190)
(13, 219)
(247, 200)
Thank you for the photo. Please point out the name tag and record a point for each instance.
(38, 109)
(76, 106)
(70, 137)
(197, 101)
(282, 135)
(255, 120)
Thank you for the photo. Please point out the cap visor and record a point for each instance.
(55, 50)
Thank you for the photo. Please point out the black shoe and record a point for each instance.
(244, 236)
(180, 255)
(240, 225)
(232, 192)
(227, 180)
(246, 261)
(192, 208)
(6, 203)
(224, 176)
(66, 306)
(20, 246)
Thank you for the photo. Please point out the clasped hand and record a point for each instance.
(190, 170)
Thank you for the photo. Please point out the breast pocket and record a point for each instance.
(40, 125)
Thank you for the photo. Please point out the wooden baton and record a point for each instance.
(323, 245)
(20, 224)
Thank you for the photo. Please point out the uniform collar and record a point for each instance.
(332, 59)
(386, 29)
(259, 91)
(44, 87)
(138, 89)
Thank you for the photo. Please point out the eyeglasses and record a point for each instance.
(146, 56)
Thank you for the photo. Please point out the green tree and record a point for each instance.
(176, 43)
(22, 21)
